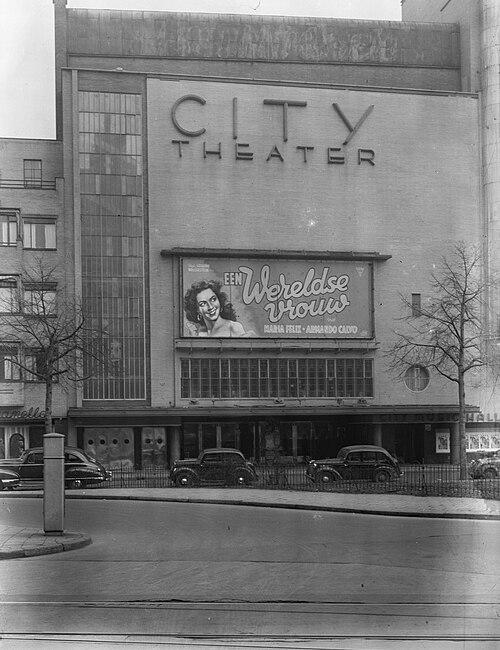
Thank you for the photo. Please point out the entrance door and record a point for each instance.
(303, 438)
(16, 445)
(208, 435)
(154, 450)
(229, 435)
(112, 446)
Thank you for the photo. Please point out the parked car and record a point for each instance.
(8, 479)
(487, 466)
(80, 469)
(220, 466)
(356, 462)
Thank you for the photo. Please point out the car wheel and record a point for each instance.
(325, 479)
(185, 479)
(242, 478)
(490, 472)
(75, 484)
(381, 476)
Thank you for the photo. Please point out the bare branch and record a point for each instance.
(447, 334)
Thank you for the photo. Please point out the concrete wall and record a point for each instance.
(280, 38)
(421, 194)
(466, 14)
(14, 150)
(367, 53)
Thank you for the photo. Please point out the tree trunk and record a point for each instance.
(461, 427)
(48, 405)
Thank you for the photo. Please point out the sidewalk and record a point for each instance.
(25, 542)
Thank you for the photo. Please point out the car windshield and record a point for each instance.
(342, 453)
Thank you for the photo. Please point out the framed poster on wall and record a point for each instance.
(442, 441)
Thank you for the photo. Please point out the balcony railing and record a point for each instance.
(15, 184)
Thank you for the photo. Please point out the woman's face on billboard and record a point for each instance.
(208, 305)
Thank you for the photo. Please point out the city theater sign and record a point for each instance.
(262, 126)
(304, 151)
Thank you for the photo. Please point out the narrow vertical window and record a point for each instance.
(32, 173)
(8, 228)
(416, 304)
(9, 365)
(8, 289)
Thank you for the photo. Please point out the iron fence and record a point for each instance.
(419, 480)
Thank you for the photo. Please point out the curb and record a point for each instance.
(290, 506)
(396, 512)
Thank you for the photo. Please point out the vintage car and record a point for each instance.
(8, 479)
(487, 466)
(219, 466)
(80, 469)
(356, 462)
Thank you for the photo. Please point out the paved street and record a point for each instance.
(170, 569)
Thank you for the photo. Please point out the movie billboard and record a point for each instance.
(260, 298)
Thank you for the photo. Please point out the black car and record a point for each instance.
(219, 466)
(356, 462)
(80, 469)
(8, 479)
(487, 466)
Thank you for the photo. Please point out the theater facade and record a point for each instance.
(251, 202)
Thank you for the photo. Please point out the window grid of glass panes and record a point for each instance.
(32, 173)
(110, 150)
(278, 378)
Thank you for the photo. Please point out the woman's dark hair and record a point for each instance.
(191, 303)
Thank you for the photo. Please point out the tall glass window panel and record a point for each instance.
(110, 155)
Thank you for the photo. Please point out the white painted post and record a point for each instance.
(53, 484)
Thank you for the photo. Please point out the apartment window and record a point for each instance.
(416, 304)
(9, 368)
(278, 378)
(34, 362)
(8, 228)
(417, 378)
(8, 288)
(32, 173)
(39, 233)
(40, 299)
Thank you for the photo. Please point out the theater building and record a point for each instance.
(248, 199)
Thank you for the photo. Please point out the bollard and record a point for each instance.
(53, 484)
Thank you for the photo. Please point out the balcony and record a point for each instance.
(19, 184)
(11, 393)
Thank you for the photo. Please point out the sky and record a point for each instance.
(27, 105)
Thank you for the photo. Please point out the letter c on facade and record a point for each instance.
(185, 98)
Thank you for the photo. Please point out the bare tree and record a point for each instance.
(49, 328)
(445, 333)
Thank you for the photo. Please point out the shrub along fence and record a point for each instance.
(420, 480)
